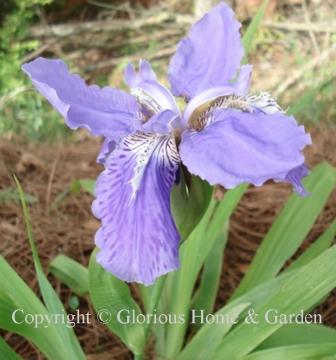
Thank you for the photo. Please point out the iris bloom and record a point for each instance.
(224, 136)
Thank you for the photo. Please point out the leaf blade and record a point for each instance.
(112, 295)
(289, 229)
(301, 290)
(253, 28)
(49, 295)
(295, 352)
(71, 273)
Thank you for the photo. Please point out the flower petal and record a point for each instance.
(107, 147)
(237, 147)
(162, 123)
(263, 102)
(242, 84)
(295, 176)
(107, 111)
(138, 239)
(210, 56)
(153, 96)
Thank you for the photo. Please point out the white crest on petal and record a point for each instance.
(143, 146)
(264, 102)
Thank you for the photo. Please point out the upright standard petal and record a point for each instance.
(236, 147)
(153, 96)
(210, 56)
(138, 239)
(103, 111)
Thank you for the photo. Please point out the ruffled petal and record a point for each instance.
(153, 96)
(138, 239)
(210, 56)
(107, 147)
(263, 102)
(295, 177)
(236, 147)
(103, 111)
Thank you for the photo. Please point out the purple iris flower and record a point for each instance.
(224, 136)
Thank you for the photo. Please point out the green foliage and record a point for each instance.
(205, 295)
(110, 296)
(13, 44)
(299, 334)
(188, 203)
(290, 228)
(199, 348)
(21, 110)
(71, 273)
(50, 298)
(6, 352)
(295, 352)
(316, 103)
(253, 28)
(11, 194)
(75, 187)
(193, 253)
(16, 294)
(301, 290)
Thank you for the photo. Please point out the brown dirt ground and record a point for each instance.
(46, 170)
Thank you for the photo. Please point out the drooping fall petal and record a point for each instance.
(138, 239)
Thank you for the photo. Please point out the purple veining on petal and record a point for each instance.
(103, 111)
(209, 56)
(148, 90)
(138, 239)
(239, 147)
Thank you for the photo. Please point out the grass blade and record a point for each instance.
(253, 28)
(308, 98)
(11, 194)
(49, 295)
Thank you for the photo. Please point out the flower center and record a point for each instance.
(149, 105)
(202, 115)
